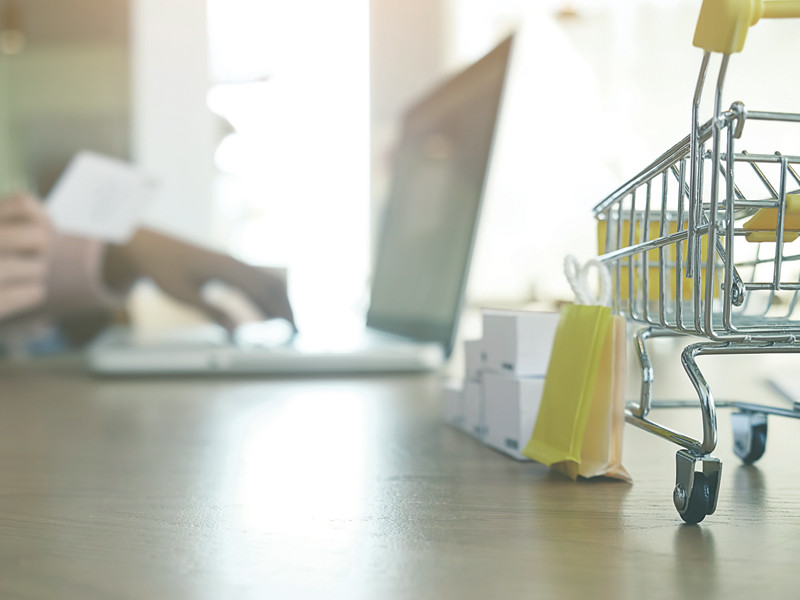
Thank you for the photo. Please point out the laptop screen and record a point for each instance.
(430, 223)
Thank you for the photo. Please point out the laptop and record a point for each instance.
(420, 270)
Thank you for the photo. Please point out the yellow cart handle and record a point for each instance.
(723, 24)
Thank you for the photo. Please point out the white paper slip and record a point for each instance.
(100, 197)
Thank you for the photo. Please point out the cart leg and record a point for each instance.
(642, 409)
(646, 394)
(696, 492)
(707, 408)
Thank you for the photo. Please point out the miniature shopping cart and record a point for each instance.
(700, 244)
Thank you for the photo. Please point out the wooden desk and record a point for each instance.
(351, 488)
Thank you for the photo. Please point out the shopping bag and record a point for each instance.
(581, 417)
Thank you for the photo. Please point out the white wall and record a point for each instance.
(174, 133)
(408, 47)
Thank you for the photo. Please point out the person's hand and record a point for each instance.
(25, 239)
(182, 270)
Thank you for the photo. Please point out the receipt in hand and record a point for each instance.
(100, 197)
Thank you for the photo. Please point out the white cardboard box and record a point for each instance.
(473, 409)
(518, 342)
(511, 405)
(453, 403)
(474, 359)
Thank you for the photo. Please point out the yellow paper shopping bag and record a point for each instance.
(581, 417)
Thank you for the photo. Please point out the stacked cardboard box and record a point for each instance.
(498, 401)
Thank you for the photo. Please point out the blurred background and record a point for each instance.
(270, 124)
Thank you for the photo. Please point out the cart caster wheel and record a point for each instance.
(696, 492)
(694, 508)
(749, 436)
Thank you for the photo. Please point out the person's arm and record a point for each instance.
(48, 278)
(43, 270)
(47, 273)
(25, 244)
(182, 269)
(74, 281)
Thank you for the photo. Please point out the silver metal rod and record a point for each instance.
(747, 157)
(770, 286)
(713, 238)
(707, 409)
(631, 241)
(695, 169)
(764, 179)
(727, 300)
(679, 268)
(776, 279)
(766, 410)
(646, 256)
(671, 435)
(759, 115)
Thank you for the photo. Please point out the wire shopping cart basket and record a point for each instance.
(699, 244)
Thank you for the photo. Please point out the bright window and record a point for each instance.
(292, 80)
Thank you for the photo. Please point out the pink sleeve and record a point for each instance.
(75, 276)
